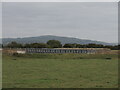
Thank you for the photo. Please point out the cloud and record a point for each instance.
(0, 20)
(94, 21)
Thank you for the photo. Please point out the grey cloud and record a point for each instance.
(92, 21)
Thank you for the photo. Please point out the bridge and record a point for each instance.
(64, 50)
(56, 50)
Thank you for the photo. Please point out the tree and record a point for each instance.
(54, 43)
(92, 45)
(80, 46)
(14, 45)
(116, 47)
(1, 45)
(27, 46)
(68, 46)
(36, 45)
(43, 45)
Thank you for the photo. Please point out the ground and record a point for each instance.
(60, 71)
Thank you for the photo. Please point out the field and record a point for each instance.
(60, 71)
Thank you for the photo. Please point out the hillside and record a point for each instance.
(44, 39)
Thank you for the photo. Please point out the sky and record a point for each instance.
(83, 20)
(0, 21)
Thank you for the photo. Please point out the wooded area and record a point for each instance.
(57, 44)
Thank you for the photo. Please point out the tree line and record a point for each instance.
(57, 44)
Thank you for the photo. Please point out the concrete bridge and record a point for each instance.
(64, 50)
(56, 50)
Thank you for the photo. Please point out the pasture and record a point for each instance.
(60, 71)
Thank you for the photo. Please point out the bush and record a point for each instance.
(16, 54)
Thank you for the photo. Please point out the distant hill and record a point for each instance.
(44, 39)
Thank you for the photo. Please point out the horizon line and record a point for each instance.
(56, 36)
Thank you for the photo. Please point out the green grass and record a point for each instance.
(67, 56)
(60, 71)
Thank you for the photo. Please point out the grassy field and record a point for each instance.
(60, 71)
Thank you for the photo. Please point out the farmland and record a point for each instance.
(60, 71)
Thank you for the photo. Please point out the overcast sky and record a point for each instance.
(94, 21)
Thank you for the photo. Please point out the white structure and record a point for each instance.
(21, 52)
